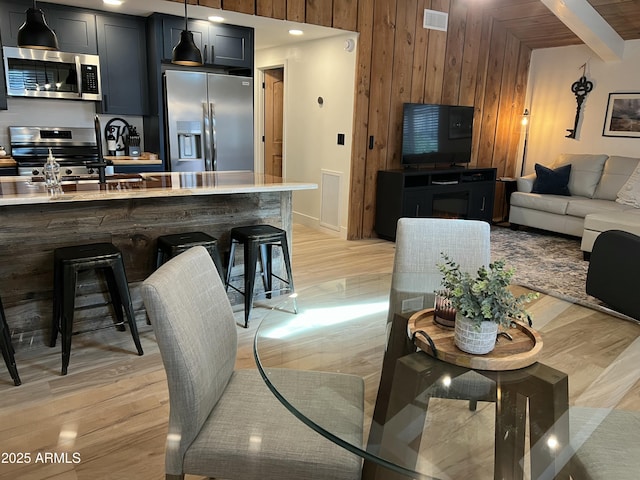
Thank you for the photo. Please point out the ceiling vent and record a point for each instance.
(435, 20)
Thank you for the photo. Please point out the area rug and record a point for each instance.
(546, 262)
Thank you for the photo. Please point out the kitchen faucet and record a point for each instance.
(101, 165)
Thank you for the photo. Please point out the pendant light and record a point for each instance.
(35, 33)
(186, 52)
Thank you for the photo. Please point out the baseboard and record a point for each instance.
(314, 223)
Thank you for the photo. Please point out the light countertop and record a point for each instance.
(28, 190)
(145, 159)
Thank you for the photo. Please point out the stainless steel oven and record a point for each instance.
(51, 74)
(75, 149)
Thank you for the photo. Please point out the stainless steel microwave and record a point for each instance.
(51, 74)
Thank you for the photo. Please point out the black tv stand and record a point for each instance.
(458, 192)
(434, 166)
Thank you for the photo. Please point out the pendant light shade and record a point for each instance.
(186, 52)
(35, 33)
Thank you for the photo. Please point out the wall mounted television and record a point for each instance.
(436, 135)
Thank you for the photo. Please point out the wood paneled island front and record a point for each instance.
(130, 211)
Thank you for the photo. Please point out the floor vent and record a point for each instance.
(435, 20)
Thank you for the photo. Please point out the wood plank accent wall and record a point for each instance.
(476, 62)
(272, 8)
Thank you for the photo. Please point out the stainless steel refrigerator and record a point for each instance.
(209, 121)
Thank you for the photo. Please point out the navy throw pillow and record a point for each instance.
(553, 181)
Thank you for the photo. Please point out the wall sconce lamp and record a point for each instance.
(35, 33)
(186, 52)
(525, 125)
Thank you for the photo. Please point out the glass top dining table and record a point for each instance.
(425, 418)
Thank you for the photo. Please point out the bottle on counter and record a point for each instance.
(112, 143)
(52, 174)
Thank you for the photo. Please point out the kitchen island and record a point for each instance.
(130, 211)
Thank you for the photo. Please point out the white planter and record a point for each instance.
(470, 339)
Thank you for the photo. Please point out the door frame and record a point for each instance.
(259, 117)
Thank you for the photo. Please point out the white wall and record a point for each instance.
(553, 105)
(319, 68)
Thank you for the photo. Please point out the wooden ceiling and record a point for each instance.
(537, 27)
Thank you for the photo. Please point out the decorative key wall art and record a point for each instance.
(580, 89)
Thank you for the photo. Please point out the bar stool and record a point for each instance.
(7, 348)
(68, 262)
(171, 245)
(258, 241)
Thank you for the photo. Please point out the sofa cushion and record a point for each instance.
(586, 171)
(551, 181)
(581, 207)
(627, 220)
(525, 184)
(546, 203)
(616, 172)
(629, 194)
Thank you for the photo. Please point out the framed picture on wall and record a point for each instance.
(623, 115)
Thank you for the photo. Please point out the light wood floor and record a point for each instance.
(112, 407)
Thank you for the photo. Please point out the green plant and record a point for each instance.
(485, 297)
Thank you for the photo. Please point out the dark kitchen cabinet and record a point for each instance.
(233, 46)
(227, 46)
(10, 21)
(172, 28)
(123, 65)
(75, 28)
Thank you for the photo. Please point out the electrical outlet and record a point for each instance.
(341, 139)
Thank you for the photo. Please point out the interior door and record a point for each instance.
(273, 122)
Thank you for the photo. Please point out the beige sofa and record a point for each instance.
(605, 195)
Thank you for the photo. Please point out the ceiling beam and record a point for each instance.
(589, 26)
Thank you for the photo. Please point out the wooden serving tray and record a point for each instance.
(145, 158)
(520, 352)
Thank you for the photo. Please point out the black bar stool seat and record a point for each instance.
(7, 348)
(68, 262)
(258, 241)
(171, 245)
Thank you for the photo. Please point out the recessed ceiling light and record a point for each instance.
(295, 32)
(112, 2)
(215, 18)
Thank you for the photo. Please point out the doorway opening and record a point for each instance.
(273, 143)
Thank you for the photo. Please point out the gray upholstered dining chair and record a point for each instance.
(226, 423)
(419, 244)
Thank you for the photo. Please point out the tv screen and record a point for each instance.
(436, 134)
